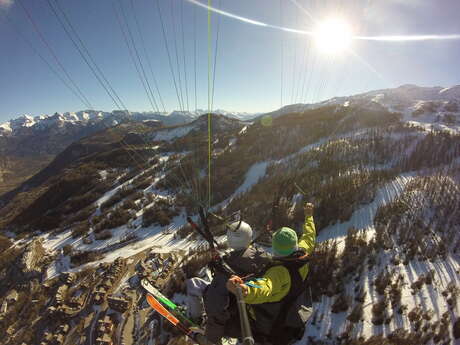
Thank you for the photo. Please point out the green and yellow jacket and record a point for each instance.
(276, 282)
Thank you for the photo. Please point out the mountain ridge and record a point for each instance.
(408, 99)
(42, 122)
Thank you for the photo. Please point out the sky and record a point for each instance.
(258, 68)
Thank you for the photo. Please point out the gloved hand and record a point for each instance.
(308, 209)
(234, 282)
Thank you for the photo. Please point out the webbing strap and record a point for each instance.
(297, 287)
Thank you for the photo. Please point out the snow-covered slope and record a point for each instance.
(5, 128)
(219, 123)
(433, 108)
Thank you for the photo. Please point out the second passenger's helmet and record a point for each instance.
(239, 235)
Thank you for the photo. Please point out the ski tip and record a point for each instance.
(150, 299)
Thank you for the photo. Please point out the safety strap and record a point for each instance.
(297, 287)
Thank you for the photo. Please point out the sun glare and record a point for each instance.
(333, 35)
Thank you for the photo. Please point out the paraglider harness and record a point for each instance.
(288, 324)
(289, 321)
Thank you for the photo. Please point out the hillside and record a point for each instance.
(434, 108)
(383, 175)
(28, 144)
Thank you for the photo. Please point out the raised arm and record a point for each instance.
(276, 282)
(308, 239)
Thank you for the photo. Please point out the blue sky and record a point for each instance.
(250, 60)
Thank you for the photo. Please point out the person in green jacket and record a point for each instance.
(275, 287)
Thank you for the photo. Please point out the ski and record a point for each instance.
(158, 295)
(157, 306)
(168, 304)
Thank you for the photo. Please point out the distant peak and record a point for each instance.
(25, 117)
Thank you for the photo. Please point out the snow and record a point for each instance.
(429, 126)
(254, 174)
(58, 266)
(27, 120)
(170, 134)
(258, 170)
(428, 298)
(5, 128)
(21, 121)
(71, 117)
(84, 116)
(109, 194)
(103, 174)
(378, 98)
(161, 240)
(363, 218)
(153, 238)
(162, 159)
(452, 92)
(58, 241)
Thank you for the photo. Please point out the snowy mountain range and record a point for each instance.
(27, 125)
(435, 106)
(19, 125)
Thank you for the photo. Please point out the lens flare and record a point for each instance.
(384, 38)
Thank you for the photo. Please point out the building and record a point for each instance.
(106, 339)
(59, 339)
(99, 295)
(68, 277)
(12, 296)
(107, 284)
(104, 330)
(105, 325)
(61, 294)
(64, 329)
(118, 303)
(76, 302)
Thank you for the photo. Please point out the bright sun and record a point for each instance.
(333, 35)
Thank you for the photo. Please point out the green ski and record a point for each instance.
(167, 303)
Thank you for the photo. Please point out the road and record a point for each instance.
(92, 332)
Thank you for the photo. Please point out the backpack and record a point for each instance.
(282, 322)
